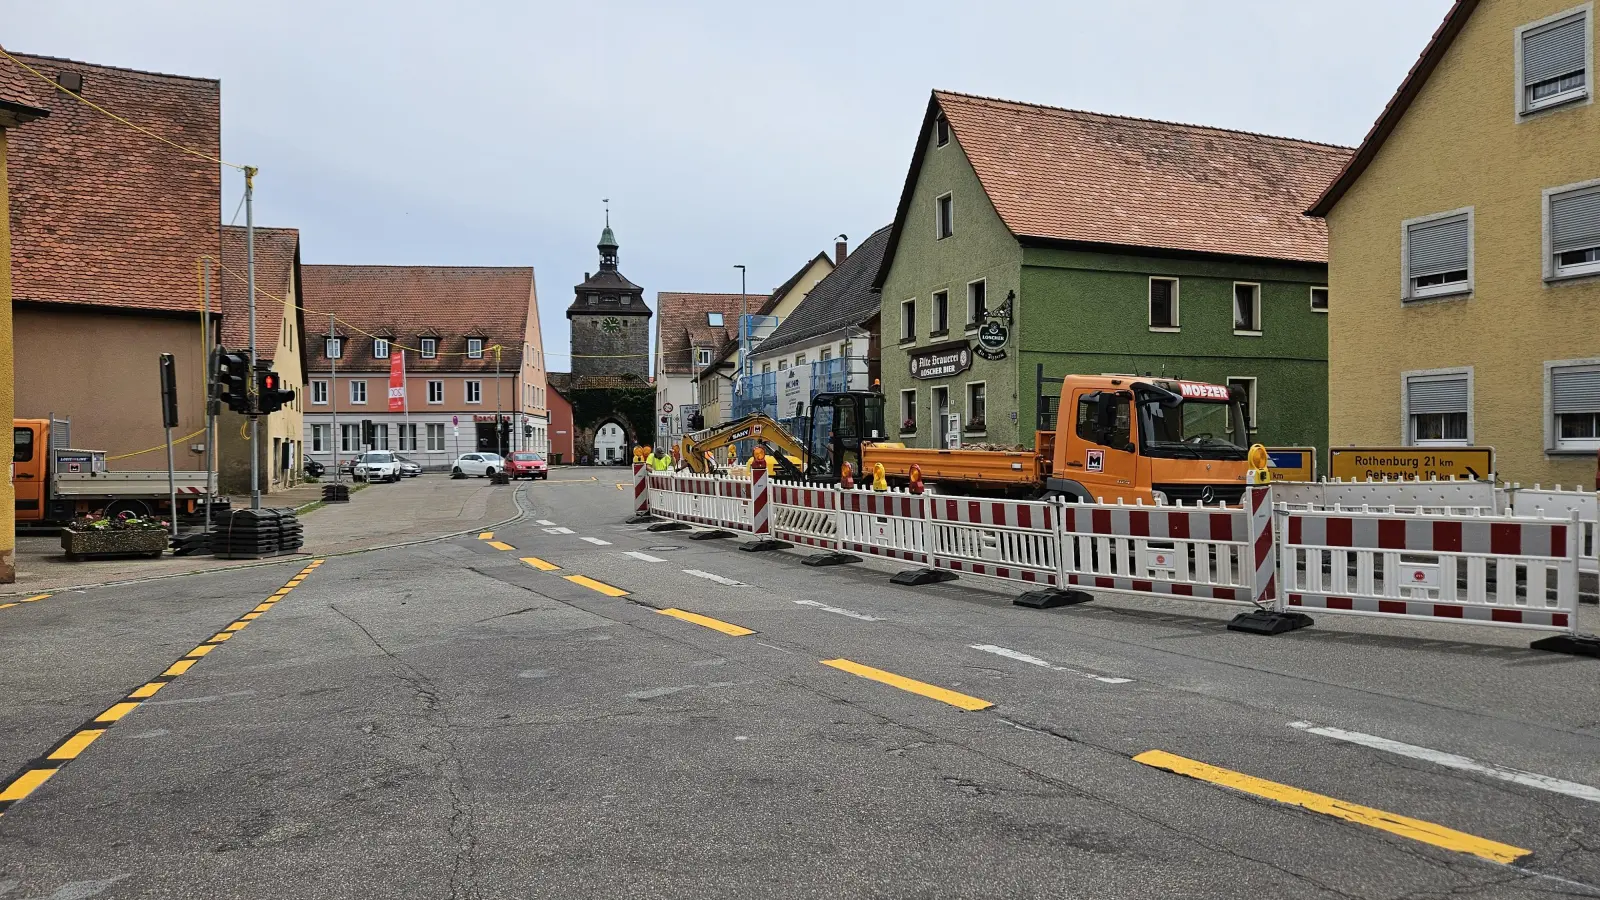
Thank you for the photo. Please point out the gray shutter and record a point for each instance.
(1433, 395)
(1574, 391)
(1437, 246)
(1575, 221)
(1553, 51)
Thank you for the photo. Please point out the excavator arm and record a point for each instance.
(788, 454)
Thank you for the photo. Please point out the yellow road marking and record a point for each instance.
(201, 650)
(220, 637)
(501, 545)
(236, 626)
(35, 598)
(707, 621)
(262, 608)
(1415, 829)
(540, 564)
(934, 692)
(593, 585)
(77, 744)
(486, 536)
(250, 617)
(6, 605)
(180, 667)
(25, 784)
(117, 711)
(148, 690)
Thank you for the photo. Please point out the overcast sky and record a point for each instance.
(487, 133)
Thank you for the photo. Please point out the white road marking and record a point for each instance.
(717, 578)
(543, 522)
(1019, 656)
(556, 530)
(843, 612)
(643, 556)
(1453, 761)
(596, 541)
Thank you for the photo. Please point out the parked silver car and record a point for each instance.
(408, 468)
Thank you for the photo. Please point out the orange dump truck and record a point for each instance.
(1117, 437)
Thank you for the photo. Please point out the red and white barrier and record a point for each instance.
(889, 524)
(807, 515)
(641, 489)
(1014, 540)
(1199, 552)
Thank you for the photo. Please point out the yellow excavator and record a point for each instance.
(856, 417)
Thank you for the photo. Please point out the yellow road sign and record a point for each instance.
(1292, 463)
(1424, 463)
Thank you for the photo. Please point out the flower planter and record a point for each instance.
(151, 542)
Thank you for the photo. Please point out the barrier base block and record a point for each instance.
(764, 545)
(922, 576)
(1263, 622)
(1050, 598)
(668, 526)
(639, 519)
(831, 558)
(1574, 644)
(715, 534)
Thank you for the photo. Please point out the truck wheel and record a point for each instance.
(132, 507)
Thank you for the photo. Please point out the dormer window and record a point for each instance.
(475, 348)
(380, 348)
(334, 348)
(429, 347)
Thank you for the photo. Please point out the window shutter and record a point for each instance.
(1574, 391)
(1553, 51)
(1575, 221)
(1435, 395)
(1437, 246)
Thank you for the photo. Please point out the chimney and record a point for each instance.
(841, 249)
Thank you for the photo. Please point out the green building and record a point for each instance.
(1031, 239)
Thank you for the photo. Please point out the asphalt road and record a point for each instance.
(515, 716)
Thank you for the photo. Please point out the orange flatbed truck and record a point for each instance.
(1117, 437)
(55, 483)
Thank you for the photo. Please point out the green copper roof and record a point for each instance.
(607, 239)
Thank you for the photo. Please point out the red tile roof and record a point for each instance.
(1087, 178)
(277, 252)
(19, 94)
(682, 325)
(1410, 86)
(407, 301)
(102, 215)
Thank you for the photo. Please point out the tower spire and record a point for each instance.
(608, 244)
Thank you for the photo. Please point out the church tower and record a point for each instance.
(610, 323)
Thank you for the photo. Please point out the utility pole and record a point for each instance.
(333, 391)
(250, 287)
(744, 320)
(497, 431)
(211, 388)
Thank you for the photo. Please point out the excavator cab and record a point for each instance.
(838, 424)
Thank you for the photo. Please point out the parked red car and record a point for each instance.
(526, 464)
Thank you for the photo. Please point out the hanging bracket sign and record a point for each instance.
(992, 340)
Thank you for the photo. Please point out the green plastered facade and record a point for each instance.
(1086, 311)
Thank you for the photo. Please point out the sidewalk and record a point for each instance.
(382, 514)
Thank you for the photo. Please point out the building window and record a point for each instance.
(908, 411)
(941, 130)
(435, 392)
(319, 393)
(944, 217)
(977, 303)
(1319, 299)
(380, 348)
(334, 348)
(825, 354)
(319, 438)
(766, 367)
(380, 436)
(428, 348)
(1164, 305)
(1437, 255)
(702, 358)
(1247, 386)
(1246, 308)
(1553, 61)
(435, 437)
(474, 392)
(408, 436)
(358, 392)
(799, 360)
(908, 320)
(1574, 391)
(474, 348)
(976, 394)
(783, 365)
(1438, 408)
(350, 438)
(941, 313)
(714, 319)
(1572, 231)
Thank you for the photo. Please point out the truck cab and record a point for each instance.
(30, 443)
(1146, 439)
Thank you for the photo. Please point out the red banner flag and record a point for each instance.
(397, 381)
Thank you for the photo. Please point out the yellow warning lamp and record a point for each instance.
(1259, 473)
(880, 482)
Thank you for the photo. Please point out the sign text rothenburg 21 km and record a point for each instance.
(1443, 463)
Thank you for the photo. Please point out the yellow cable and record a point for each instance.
(174, 441)
(106, 112)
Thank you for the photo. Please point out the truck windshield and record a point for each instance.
(1193, 429)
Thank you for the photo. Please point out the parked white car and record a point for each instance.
(377, 465)
(476, 464)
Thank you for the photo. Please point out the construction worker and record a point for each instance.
(658, 460)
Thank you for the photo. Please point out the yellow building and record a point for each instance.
(17, 106)
(1464, 249)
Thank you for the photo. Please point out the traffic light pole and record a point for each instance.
(333, 392)
(213, 349)
(250, 288)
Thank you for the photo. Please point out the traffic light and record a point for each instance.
(233, 381)
(270, 395)
(369, 434)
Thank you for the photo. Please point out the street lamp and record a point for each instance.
(744, 317)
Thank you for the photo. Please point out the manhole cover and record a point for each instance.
(662, 549)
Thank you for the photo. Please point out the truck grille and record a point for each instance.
(1195, 493)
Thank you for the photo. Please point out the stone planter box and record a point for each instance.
(151, 542)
